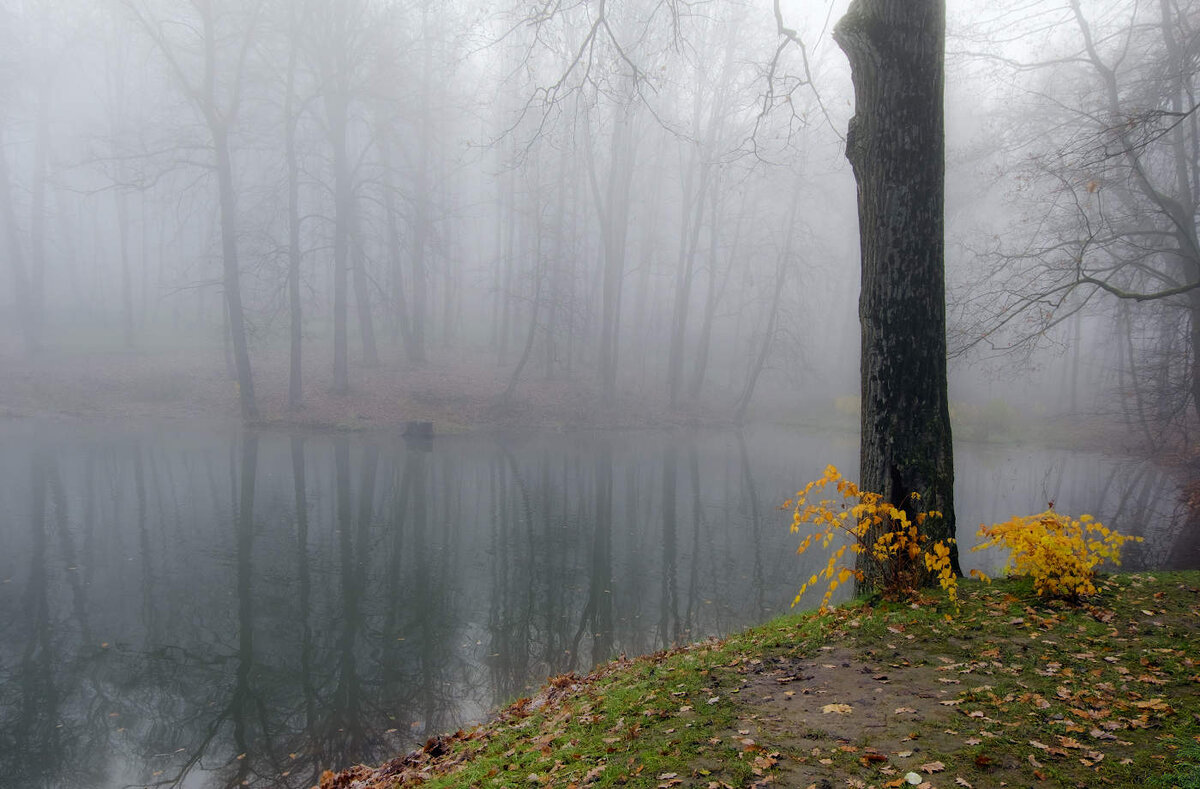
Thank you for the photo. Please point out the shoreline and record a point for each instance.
(1011, 690)
(463, 396)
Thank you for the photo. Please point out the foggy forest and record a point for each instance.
(647, 199)
(365, 363)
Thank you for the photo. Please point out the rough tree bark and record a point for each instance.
(896, 146)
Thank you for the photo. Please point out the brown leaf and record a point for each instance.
(932, 767)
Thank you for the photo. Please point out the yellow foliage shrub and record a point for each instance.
(906, 554)
(1059, 553)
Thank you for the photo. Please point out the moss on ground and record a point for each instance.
(1010, 690)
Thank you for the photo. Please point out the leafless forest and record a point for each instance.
(795, 242)
(369, 206)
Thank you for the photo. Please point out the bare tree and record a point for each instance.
(783, 264)
(339, 34)
(698, 190)
(612, 202)
(291, 120)
(1111, 176)
(206, 53)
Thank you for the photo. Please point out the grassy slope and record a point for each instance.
(1010, 690)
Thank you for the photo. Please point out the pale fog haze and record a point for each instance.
(363, 363)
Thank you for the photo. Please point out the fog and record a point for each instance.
(539, 312)
(647, 199)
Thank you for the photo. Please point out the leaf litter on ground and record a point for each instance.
(1012, 689)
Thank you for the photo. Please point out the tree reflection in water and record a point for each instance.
(338, 599)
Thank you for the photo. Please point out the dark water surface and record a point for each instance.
(207, 608)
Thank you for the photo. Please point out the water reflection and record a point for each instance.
(204, 610)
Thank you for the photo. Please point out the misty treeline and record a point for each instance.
(1092, 243)
(649, 194)
(387, 180)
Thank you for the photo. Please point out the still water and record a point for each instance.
(207, 609)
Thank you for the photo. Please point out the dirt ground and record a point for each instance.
(837, 705)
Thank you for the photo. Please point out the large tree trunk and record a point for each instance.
(231, 280)
(896, 145)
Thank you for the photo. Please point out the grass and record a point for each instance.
(1010, 690)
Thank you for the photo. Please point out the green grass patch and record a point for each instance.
(1010, 689)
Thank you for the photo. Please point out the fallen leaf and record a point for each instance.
(840, 709)
(932, 767)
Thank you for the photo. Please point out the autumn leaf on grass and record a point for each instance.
(840, 709)
(932, 767)
(1157, 705)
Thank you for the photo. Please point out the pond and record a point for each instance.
(207, 608)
